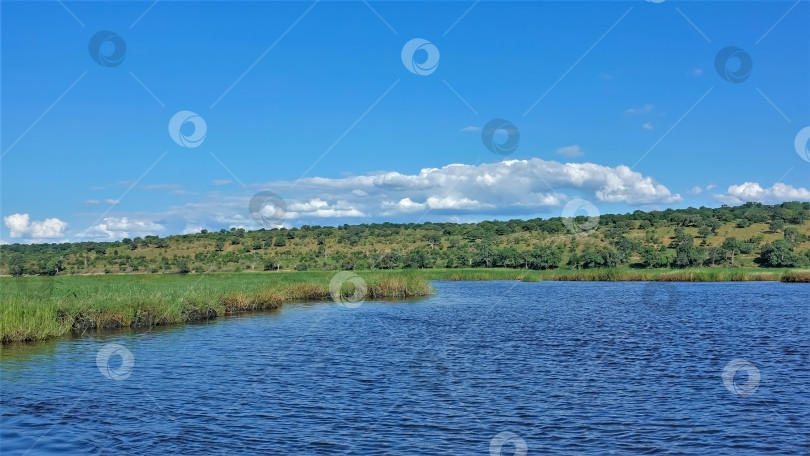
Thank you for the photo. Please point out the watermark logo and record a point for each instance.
(660, 297)
(496, 445)
(732, 377)
(420, 56)
(184, 120)
(733, 64)
(573, 223)
(802, 143)
(336, 289)
(115, 371)
(500, 136)
(107, 48)
(267, 209)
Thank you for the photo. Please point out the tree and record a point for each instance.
(776, 225)
(714, 225)
(732, 246)
(416, 258)
(791, 235)
(688, 255)
(716, 255)
(433, 239)
(590, 258)
(182, 266)
(778, 254)
(651, 238)
(485, 253)
(16, 265)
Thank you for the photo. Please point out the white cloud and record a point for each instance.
(116, 228)
(470, 128)
(192, 228)
(220, 182)
(319, 208)
(752, 191)
(92, 202)
(404, 205)
(647, 126)
(501, 184)
(696, 190)
(711, 187)
(20, 226)
(570, 151)
(642, 110)
(510, 188)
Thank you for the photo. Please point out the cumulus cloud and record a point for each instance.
(112, 228)
(752, 191)
(501, 184)
(470, 128)
(510, 188)
(21, 226)
(647, 126)
(570, 151)
(192, 228)
(322, 209)
(697, 190)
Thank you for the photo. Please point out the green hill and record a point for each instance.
(750, 235)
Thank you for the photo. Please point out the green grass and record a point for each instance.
(33, 310)
(36, 308)
(620, 275)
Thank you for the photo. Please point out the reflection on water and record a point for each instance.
(552, 368)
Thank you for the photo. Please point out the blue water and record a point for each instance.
(566, 368)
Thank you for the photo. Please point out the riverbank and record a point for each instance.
(625, 275)
(36, 308)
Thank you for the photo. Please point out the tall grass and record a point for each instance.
(796, 277)
(80, 303)
(33, 308)
(612, 275)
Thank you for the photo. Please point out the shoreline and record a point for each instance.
(40, 308)
(51, 307)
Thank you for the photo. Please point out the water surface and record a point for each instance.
(623, 368)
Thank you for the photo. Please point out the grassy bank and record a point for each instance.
(624, 275)
(35, 308)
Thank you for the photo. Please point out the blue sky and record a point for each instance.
(616, 103)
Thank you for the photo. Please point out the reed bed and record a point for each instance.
(619, 275)
(82, 303)
(35, 308)
(796, 277)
